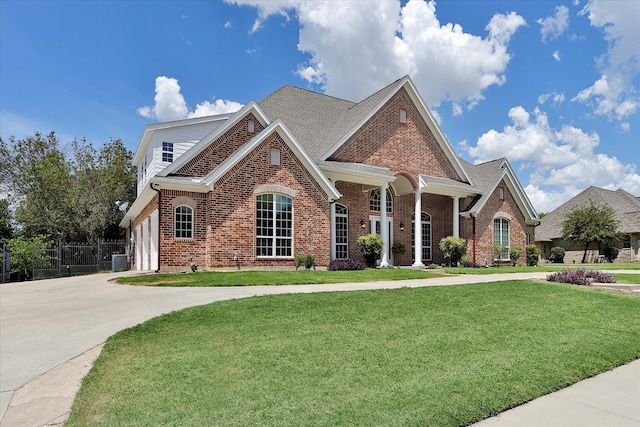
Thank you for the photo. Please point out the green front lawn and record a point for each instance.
(444, 356)
(300, 277)
(543, 267)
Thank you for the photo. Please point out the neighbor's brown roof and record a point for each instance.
(626, 206)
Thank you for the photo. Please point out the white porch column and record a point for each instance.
(332, 232)
(417, 262)
(456, 216)
(384, 227)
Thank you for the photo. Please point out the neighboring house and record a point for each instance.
(627, 209)
(305, 173)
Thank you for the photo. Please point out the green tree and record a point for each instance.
(453, 248)
(102, 178)
(591, 223)
(28, 254)
(38, 176)
(6, 221)
(71, 194)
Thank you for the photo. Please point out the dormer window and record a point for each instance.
(251, 126)
(167, 152)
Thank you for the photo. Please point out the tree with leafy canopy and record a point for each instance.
(6, 225)
(67, 193)
(591, 223)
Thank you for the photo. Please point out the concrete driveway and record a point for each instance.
(45, 324)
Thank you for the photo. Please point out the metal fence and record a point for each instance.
(5, 263)
(75, 259)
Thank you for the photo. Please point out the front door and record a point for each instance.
(374, 226)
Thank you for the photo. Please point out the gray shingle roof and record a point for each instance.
(626, 206)
(485, 177)
(319, 121)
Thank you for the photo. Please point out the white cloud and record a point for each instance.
(373, 43)
(614, 94)
(562, 162)
(219, 106)
(171, 105)
(554, 26)
(557, 98)
(228, 25)
(556, 55)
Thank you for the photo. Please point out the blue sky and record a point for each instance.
(551, 85)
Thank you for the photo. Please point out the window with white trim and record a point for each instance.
(342, 231)
(374, 201)
(501, 237)
(184, 222)
(426, 236)
(167, 152)
(274, 225)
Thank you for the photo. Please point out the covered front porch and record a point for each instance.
(378, 197)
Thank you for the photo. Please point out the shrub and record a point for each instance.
(399, 249)
(305, 259)
(470, 264)
(371, 247)
(514, 254)
(498, 251)
(453, 248)
(581, 277)
(611, 253)
(346, 264)
(557, 255)
(533, 253)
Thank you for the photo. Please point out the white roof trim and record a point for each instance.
(251, 107)
(289, 139)
(444, 143)
(147, 135)
(443, 189)
(531, 216)
(335, 173)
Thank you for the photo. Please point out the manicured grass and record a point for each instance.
(444, 356)
(543, 267)
(630, 279)
(300, 277)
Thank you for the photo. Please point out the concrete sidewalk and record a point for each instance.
(51, 331)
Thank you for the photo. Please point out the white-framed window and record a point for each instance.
(274, 225)
(184, 222)
(167, 152)
(403, 116)
(501, 237)
(374, 201)
(342, 231)
(426, 236)
(275, 156)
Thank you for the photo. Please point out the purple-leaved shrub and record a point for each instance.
(346, 264)
(581, 277)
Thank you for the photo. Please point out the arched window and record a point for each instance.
(501, 237)
(342, 231)
(374, 201)
(274, 225)
(184, 222)
(426, 236)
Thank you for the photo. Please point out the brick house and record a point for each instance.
(548, 233)
(305, 173)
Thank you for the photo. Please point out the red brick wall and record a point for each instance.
(177, 252)
(408, 148)
(496, 208)
(232, 206)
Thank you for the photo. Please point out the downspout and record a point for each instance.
(473, 222)
(159, 222)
